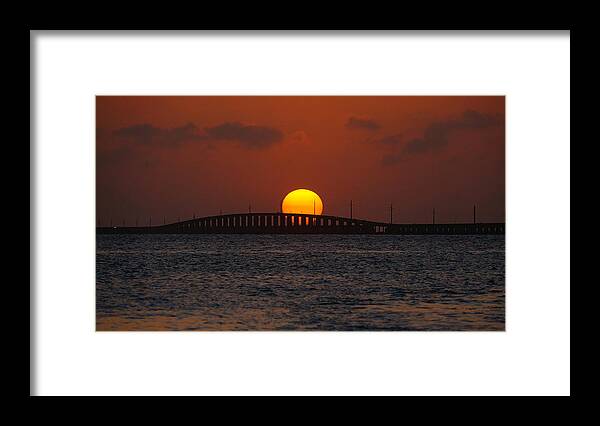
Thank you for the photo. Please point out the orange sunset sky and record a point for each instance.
(177, 156)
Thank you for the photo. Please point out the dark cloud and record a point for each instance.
(362, 123)
(247, 135)
(390, 140)
(390, 159)
(436, 135)
(147, 134)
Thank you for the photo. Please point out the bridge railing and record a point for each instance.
(302, 223)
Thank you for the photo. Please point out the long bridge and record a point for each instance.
(284, 223)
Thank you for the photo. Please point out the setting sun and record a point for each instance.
(302, 201)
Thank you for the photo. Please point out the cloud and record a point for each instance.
(436, 135)
(390, 140)
(391, 159)
(249, 136)
(362, 123)
(147, 134)
(299, 136)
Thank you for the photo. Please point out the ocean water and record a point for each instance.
(300, 282)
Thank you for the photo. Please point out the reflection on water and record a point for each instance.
(299, 282)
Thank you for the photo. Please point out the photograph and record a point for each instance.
(300, 213)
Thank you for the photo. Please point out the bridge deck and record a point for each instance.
(281, 223)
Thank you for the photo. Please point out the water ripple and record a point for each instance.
(299, 282)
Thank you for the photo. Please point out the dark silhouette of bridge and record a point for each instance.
(284, 223)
